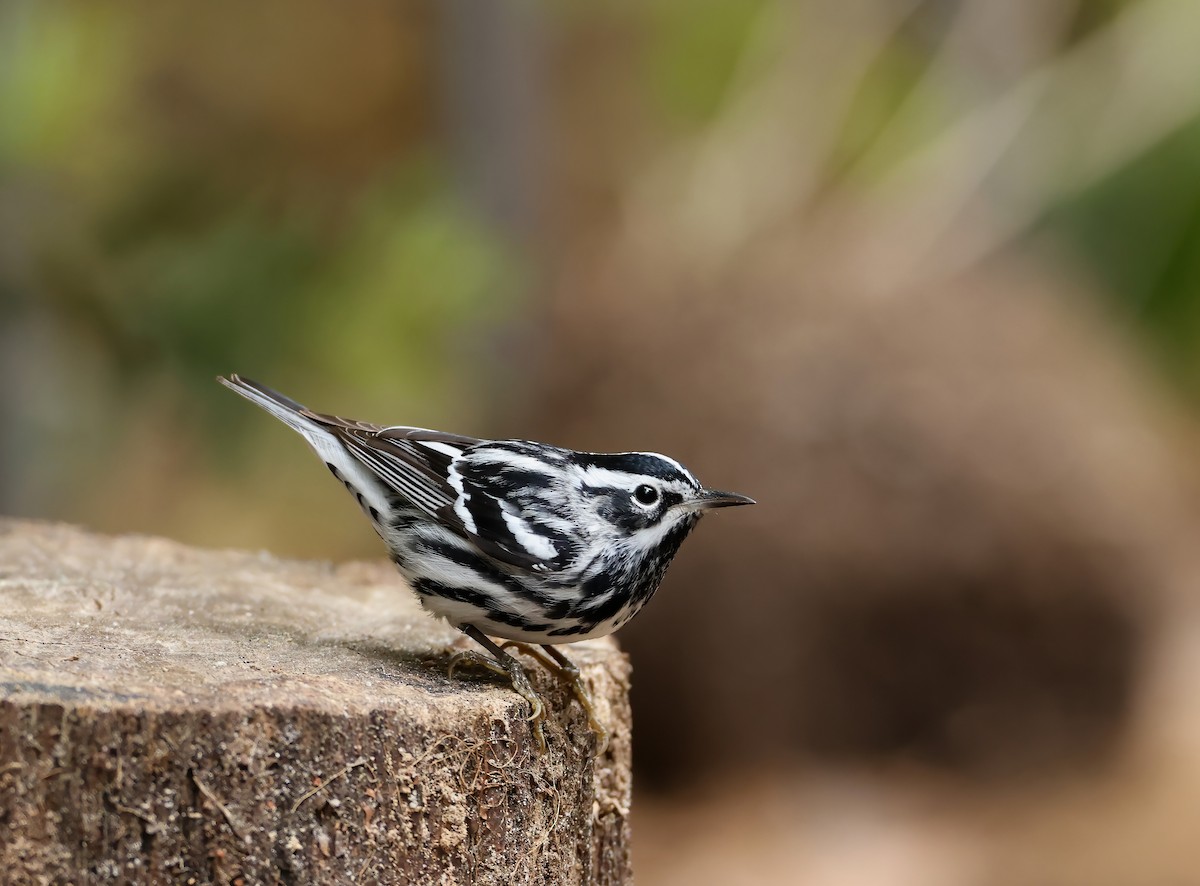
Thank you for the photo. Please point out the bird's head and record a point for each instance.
(646, 497)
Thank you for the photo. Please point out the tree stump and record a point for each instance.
(173, 715)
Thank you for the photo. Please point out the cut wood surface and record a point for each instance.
(174, 715)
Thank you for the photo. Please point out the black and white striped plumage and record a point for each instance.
(518, 540)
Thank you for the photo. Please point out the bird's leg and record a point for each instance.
(565, 669)
(569, 671)
(505, 665)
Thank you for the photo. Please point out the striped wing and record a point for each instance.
(512, 501)
(412, 462)
(467, 485)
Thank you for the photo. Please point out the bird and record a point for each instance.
(527, 543)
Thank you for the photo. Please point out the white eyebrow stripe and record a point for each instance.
(671, 461)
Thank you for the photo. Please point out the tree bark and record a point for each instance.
(175, 715)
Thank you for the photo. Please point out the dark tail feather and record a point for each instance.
(283, 408)
(245, 386)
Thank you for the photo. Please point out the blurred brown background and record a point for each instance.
(922, 277)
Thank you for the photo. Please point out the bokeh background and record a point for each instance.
(922, 276)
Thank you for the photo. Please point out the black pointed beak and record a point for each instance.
(714, 498)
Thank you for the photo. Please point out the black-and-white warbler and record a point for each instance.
(526, 542)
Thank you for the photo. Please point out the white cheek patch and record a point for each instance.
(646, 541)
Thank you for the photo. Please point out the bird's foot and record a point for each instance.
(566, 670)
(510, 668)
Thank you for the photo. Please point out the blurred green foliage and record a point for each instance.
(63, 70)
(1138, 231)
(189, 190)
(178, 256)
(166, 221)
(696, 49)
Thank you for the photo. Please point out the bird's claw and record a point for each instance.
(511, 669)
(478, 659)
(568, 671)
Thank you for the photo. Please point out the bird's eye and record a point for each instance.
(646, 494)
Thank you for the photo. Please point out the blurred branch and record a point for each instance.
(972, 185)
(1062, 128)
(766, 153)
(492, 52)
